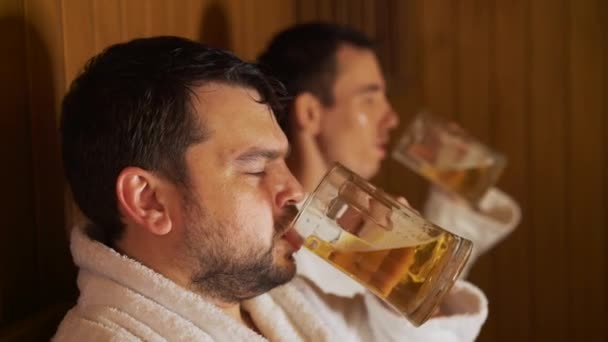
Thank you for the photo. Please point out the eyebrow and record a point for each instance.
(255, 154)
(370, 88)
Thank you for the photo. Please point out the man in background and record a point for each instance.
(339, 112)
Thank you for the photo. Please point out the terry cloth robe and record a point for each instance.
(497, 217)
(465, 308)
(123, 300)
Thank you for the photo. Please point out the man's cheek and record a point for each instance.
(255, 219)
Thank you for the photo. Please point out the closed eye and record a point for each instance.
(257, 173)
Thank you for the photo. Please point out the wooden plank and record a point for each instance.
(157, 19)
(357, 14)
(369, 16)
(354, 14)
(46, 76)
(252, 26)
(240, 25)
(306, 10)
(178, 18)
(386, 29)
(438, 54)
(473, 26)
(107, 23)
(325, 10)
(587, 157)
(221, 25)
(400, 47)
(604, 20)
(549, 103)
(342, 12)
(18, 235)
(511, 305)
(79, 36)
(134, 16)
(266, 22)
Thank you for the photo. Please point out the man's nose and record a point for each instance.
(391, 119)
(291, 191)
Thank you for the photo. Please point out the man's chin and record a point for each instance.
(365, 167)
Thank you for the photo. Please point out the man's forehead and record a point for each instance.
(359, 67)
(237, 119)
(224, 104)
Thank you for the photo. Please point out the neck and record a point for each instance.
(152, 251)
(306, 161)
(238, 314)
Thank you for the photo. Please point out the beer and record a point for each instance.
(397, 275)
(398, 257)
(470, 183)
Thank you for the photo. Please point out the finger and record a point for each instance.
(403, 201)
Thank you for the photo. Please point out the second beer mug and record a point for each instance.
(384, 245)
(449, 157)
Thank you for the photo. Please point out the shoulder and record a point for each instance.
(76, 327)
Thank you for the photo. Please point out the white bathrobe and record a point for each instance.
(497, 217)
(123, 300)
(465, 308)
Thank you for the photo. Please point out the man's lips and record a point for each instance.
(293, 238)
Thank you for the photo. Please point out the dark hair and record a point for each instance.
(132, 106)
(303, 57)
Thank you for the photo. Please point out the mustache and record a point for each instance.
(285, 219)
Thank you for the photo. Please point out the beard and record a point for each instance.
(222, 275)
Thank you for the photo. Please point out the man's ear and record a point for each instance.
(308, 111)
(141, 199)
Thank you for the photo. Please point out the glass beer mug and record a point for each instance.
(384, 245)
(450, 158)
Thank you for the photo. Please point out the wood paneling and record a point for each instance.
(106, 23)
(78, 35)
(604, 19)
(253, 24)
(134, 18)
(545, 103)
(528, 77)
(587, 158)
(400, 47)
(17, 236)
(548, 114)
(439, 56)
(46, 84)
(36, 267)
(473, 54)
(511, 306)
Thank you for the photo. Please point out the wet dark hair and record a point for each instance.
(303, 58)
(132, 106)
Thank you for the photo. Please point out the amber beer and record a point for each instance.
(470, 182)
(397, 275)
(385, 246)
(449, 157)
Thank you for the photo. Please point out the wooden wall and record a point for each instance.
(528, 77)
